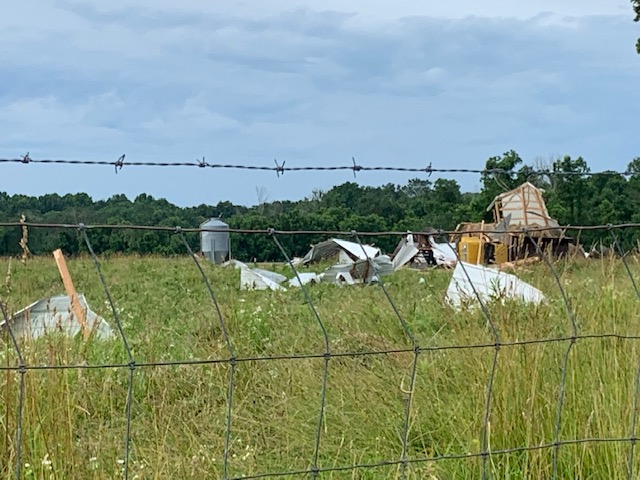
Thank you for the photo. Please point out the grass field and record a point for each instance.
(74, 420)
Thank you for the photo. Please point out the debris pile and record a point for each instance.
(474, 252)
(67, 314)
(56, 314)
(503, 241)
(342, 251)
(488, 283)
(355, 263)
(420, 249)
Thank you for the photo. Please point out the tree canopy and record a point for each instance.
(636, 9)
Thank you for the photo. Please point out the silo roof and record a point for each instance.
(213, 222)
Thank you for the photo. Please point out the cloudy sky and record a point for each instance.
(403, 83)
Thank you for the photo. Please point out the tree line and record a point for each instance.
(576, 199)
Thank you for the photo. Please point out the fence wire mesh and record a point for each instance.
(418, 450)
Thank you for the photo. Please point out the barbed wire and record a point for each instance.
(405, 460)
(281, 168)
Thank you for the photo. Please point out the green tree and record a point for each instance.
(502, 174)
(569, 191)
(636, 9)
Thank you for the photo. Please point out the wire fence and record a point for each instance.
(416, 348)
(281, 168)
(406, 459)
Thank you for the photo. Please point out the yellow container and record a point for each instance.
(470, 251)
(501, 253)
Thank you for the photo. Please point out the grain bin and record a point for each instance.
(215, 245)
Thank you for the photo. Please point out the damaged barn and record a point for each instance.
(503, 241)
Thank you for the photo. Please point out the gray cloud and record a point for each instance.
(309, 87)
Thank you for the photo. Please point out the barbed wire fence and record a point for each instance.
(316, 468)
(281, 168)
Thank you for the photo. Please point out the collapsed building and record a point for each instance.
(503, 240)
(341, 251)
(353, 263)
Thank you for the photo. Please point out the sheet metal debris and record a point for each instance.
(258, 279)
(346, 252)
(54, 314)
(355, 264)
(444, 253)
(305, 278)
(421, 248)
(489, 284)
(361, 271)
(273, 276)
(407, 250)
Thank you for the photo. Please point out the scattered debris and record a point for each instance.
(55, 314)
(361, 271)
(305, 279)
(273, 276)
(599, 250)
(71, 293)
(257, 279)
(69, 314)
(489, 283)
(406, 251)
(346, 252)
(355, 264)
(520, 263)
(235, 263)
(576, 250)
(421, 248)
(444, 253)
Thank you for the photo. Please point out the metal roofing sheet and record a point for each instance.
(54, 314)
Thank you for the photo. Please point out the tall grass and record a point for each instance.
(74, 420)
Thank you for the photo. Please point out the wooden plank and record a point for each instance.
(76, 308)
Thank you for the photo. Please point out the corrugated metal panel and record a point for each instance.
(346, 251)
(253, 280)
(488, 283)
(54, 314)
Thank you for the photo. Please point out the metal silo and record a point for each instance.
(215, 245)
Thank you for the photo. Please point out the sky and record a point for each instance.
(404, 83)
